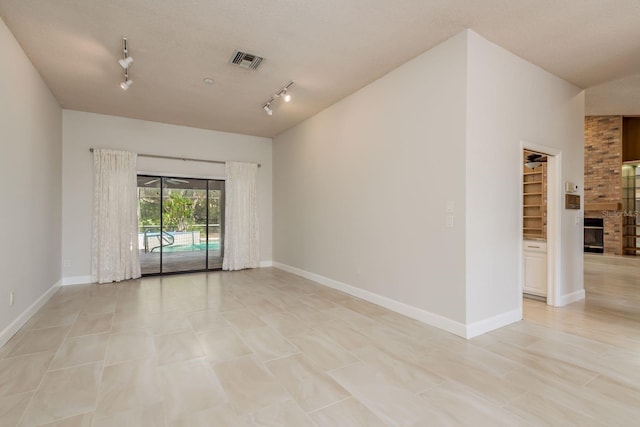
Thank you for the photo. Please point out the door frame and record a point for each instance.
(554, 219)
(208, 180)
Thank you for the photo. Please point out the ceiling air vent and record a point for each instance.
(246, 60)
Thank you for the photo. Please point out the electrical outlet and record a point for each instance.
(11, 297)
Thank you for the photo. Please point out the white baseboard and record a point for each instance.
(492, 323)
(423, 316)
(266, 264)
(76, 280)
(24, 317)
(572, 297)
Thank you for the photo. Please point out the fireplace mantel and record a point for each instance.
(602, 206)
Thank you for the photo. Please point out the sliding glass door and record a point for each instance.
(181, 224)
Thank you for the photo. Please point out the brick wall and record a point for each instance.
(603, 174)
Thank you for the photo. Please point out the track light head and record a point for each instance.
(126, 84)
(125, 62)
(286, 96)
(267, 108)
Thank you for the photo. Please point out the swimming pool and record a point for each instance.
(213, 246)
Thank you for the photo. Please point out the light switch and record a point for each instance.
(449, 206)
(450, 221)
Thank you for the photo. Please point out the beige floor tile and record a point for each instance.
(263, 305)
(392, 404)
(454, 404)
(82, 420)
(401, 372)
(23, 373)
(497, 390)
(363, 307)
(624, 393)
(310, 315)
(286, 323)
(89, 324)
(177, 347)
(410, 327)
(128, 386)
(345, 335)
(222, 303)
(207, 320)
(316, 302)
(223, 344)
(267, 344)
(100, 305)
(311, 388)
(148, 416)
(189, 387)
(243, 319)
(64, 393)
(81, 350)
(165, 323)
(223, 415)
(323, 353)
(537, 410)
(53, 318)
(128, 346)
(35, 341)
(600, 407)
(574, 365)
(542, 366)
(285, 414)
(346, 413)
(249, 386)
(12, 407)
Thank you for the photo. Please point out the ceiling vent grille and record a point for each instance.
(246, 60)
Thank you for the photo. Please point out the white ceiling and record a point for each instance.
(330, 48)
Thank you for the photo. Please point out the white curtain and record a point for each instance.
(241, 236)
(114, 254)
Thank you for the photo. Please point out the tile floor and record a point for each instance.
(266, 348)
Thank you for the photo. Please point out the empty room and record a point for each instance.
(334, 213)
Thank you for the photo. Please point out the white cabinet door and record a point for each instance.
(535, 273)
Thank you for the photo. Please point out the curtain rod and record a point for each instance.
(186, 159)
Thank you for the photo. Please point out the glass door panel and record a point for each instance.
(180, 224)
(184, 219)
(149, 223)
(215, 224)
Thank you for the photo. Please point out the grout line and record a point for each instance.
(331, 404)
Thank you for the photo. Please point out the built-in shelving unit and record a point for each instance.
(534, 203)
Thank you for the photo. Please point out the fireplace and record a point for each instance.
(594, 235)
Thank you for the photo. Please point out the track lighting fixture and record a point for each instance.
(125, 63)
(126, 84)
(286, 96)
(280, 93)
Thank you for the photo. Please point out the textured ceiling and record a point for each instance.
(330, 48)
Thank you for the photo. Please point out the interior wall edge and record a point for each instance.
(415, 313)
(572, 297)
(76, 280)
(492, 323)
(27, 314)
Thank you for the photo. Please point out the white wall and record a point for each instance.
(360, 189)
(30, 172)
(509, 100)
(85, 130)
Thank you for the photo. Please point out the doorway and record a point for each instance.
(544, 259)
(180, 224)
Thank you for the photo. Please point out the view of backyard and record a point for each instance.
(180, 224)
